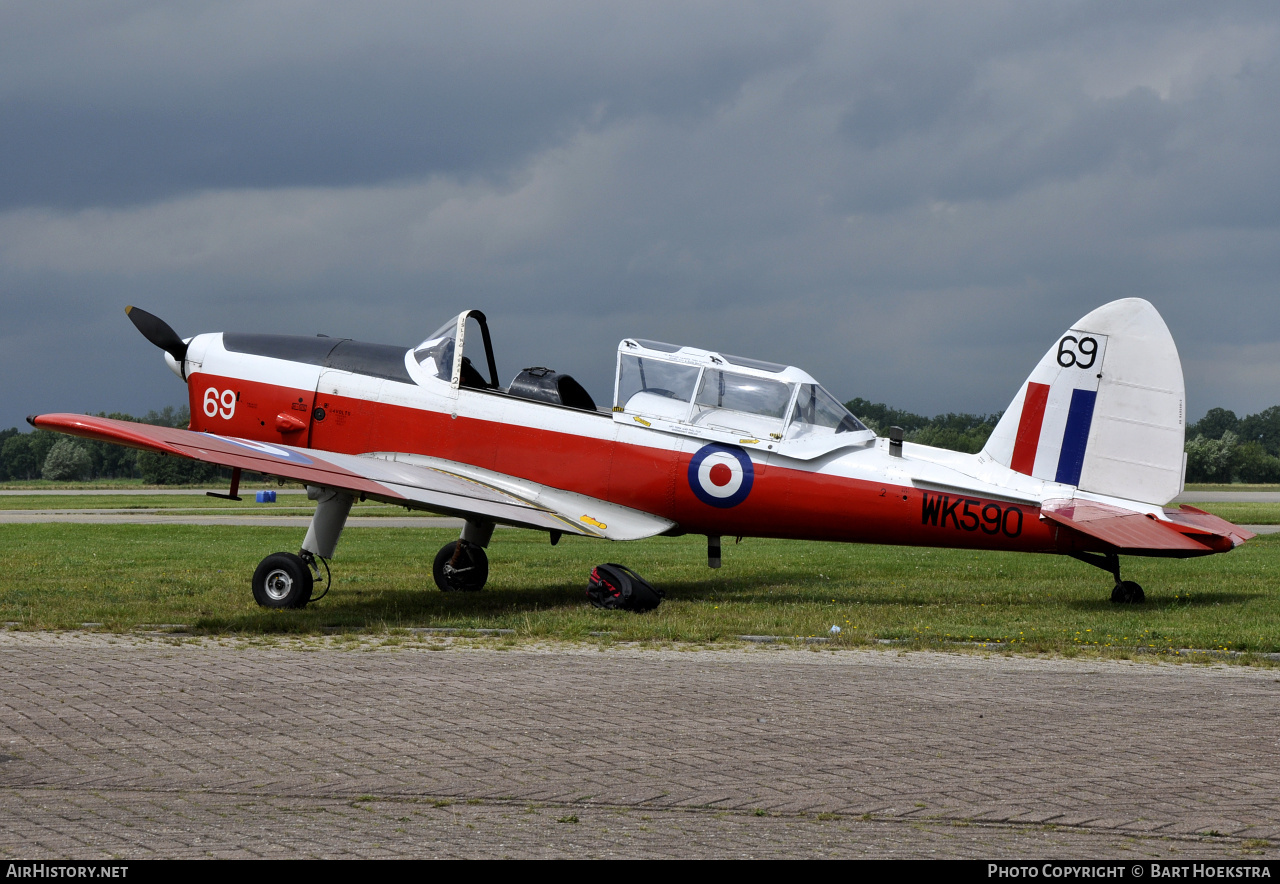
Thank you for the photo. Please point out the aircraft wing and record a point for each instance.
(414, 481)
(1188, 531)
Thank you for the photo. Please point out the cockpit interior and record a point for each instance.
(442, 355)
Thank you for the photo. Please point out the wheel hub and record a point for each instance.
(278, 584)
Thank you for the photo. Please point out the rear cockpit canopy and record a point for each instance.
(726, 395)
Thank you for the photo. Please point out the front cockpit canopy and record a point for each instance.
(441, 354)
(698, 388)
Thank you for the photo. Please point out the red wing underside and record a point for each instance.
(1189, 531)
(272, 460)
(423, 483)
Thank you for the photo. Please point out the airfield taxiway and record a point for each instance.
(144, 746)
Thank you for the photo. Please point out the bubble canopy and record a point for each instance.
(731, 394)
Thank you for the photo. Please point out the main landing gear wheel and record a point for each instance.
(461, 567)
(282, 580)
(1128, 593)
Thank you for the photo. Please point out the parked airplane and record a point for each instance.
(1083, 462)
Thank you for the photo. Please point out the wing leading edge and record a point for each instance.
(409, 480)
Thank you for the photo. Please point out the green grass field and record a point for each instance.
(1244, 513)
(126, 576)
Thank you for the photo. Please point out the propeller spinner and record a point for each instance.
(158, 332)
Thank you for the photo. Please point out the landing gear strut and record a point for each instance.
(463, 565)
(1126, 592)
(285, 580)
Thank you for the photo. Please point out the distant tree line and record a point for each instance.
(1220, 446)
(1224, 448)
(54, 456)
(958, 432)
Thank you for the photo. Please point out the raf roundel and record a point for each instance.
(275, 451)
(721, 475)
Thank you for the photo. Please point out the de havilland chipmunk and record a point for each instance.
(1083, 462)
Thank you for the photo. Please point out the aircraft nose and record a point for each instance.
(174, 365)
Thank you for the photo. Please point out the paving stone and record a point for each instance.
(159, 747)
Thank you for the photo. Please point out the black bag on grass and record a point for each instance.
(616, 586)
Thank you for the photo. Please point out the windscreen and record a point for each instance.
(435, 354)
(817, 412)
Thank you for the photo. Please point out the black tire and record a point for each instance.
(282, 580)
(1128, 593)
(469, 575)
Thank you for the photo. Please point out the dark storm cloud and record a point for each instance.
(911, 200)
(388, 92)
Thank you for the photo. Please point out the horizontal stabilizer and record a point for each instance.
(1191, 534)
(1196, 522)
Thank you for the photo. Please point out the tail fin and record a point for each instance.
(1103, 410)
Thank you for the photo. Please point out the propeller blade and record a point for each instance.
(158, 332)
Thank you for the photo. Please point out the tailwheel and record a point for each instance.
(1128, 593)
(461, 567)
(282, 580)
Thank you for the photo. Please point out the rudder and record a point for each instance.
(1103, 410)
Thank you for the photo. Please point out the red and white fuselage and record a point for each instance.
(1083, 462)
(726, 471)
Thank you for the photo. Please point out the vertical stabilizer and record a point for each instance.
(1103, 410)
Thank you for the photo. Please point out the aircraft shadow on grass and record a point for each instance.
(426, 607)
(1166, 602)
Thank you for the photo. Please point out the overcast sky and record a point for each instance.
(909, 200)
